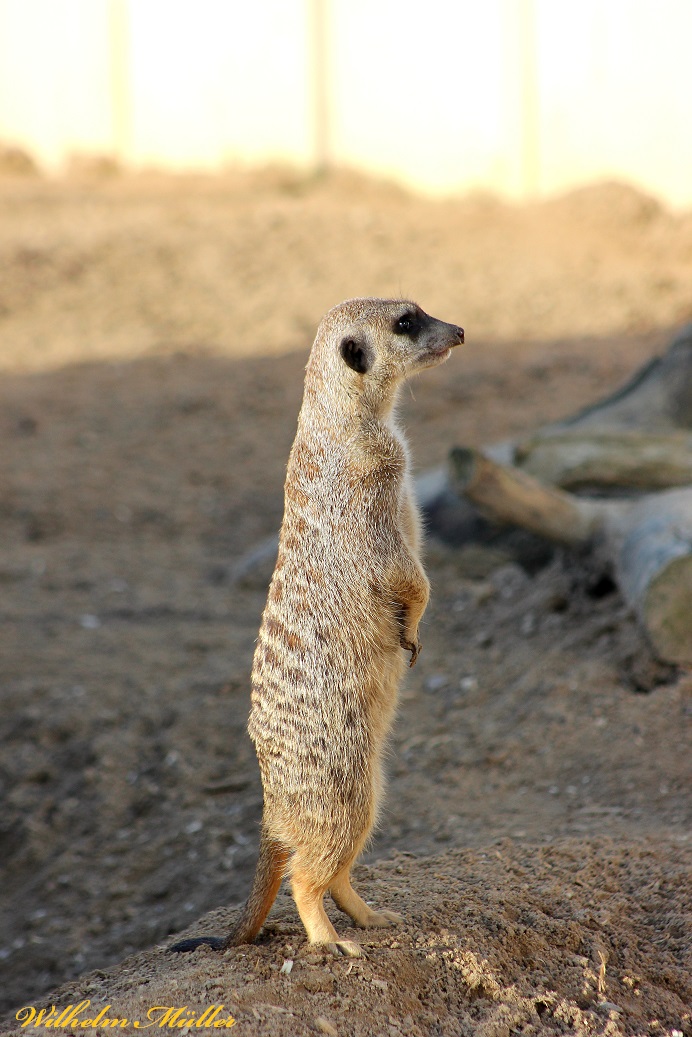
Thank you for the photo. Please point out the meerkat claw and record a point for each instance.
(382, 918)
(413, 647)
(348, 948)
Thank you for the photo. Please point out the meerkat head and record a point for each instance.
(367, 347)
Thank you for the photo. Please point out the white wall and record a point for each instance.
(615, 87)
(519, 96)
(54, 76)
(213, 81)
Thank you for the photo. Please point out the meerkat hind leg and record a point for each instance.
(348, 901)
(309, 902)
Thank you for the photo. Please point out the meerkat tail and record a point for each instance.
(271, 865)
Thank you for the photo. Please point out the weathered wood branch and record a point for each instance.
(587, 458)
(506, 494)
(647, 542)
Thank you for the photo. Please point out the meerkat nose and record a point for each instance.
(460, 336)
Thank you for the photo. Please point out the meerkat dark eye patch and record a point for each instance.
(408, 324)
(355, 355)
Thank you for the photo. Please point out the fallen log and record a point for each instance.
(647, 543)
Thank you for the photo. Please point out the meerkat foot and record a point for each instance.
(348, 901)
(382, 918)
(310, 904)
(348, 948)
(320, 930)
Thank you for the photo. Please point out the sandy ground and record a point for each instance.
(536, 835)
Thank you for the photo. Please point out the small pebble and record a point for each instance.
(286, 967)
(528, 624)
(324, 1026)
(607, 1007)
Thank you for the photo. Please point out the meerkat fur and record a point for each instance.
(344, 605)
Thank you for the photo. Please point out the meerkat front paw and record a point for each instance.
(414, 647)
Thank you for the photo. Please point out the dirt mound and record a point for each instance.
(584, 937)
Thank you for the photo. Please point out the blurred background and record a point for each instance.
(523, 97)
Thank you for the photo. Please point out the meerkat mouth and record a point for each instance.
(438, 352)
(441, 350)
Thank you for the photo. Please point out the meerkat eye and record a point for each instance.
(407, 324)
(355, 355)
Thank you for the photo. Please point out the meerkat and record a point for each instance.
(344, 605)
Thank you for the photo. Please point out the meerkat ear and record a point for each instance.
(356, 355)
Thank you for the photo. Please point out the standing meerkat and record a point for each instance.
(346, 597)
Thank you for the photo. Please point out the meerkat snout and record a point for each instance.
(434, 339)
